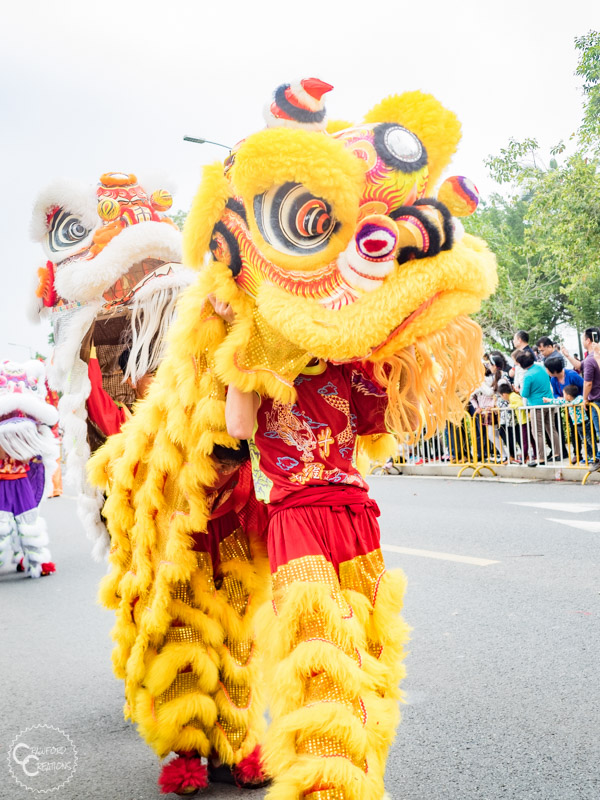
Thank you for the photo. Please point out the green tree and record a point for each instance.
(589, 69)
(179, 218)
(546, 235)
(529, 291)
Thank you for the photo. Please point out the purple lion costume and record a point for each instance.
(28, 452)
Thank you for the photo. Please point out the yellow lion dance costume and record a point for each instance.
(327, 242)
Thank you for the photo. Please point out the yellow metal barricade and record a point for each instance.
(498, 437)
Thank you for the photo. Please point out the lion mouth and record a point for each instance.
(406, 322)
(393, 333)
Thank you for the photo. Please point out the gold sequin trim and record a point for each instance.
(309, 569)
(237, 695)
(184, 683)
(326, 747)
(363, 574)
(235, 547)
(234, 735)
(326, 794)
(182, 633)
(205, 565)
(322, 688)
(269, 351)
(312, 626)
(374, 648)
(236, 594)
(240, 651)
(183, 593)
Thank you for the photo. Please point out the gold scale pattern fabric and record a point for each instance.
(340, 661)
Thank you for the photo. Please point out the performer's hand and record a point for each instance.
(564, 351)
(223, 310)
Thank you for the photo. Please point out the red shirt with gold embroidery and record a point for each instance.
(10, 469)
(311, 443)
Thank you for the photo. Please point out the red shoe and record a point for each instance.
(185, 775)
(248, 774)
(48, 567)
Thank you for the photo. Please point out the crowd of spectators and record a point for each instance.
(516, 413)
(538, 405)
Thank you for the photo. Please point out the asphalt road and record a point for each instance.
(503, 692)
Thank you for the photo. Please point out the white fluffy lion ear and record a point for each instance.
(79, 199)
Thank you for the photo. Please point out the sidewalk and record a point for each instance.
(514, 471)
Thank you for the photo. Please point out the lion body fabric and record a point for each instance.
(327, 245)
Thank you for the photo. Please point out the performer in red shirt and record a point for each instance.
(106, 413)
(336, 641)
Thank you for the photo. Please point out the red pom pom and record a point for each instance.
(250, 769)
(183, 772)
(48, 567)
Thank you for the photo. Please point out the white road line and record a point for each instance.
(409, 551)
(568, 508)
(582, 524)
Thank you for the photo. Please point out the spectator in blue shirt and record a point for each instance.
(536, 386)
(560, 376)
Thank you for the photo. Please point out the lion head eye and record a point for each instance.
(292, 220)
(66, 231)
(399, 148)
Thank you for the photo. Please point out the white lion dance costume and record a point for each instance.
(28, 453)
(111, 281)
(329, 247)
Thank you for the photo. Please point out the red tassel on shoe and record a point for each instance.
(48, 567)
(250, 770)
(185, 774)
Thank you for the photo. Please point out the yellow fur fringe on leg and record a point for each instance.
(319, 737)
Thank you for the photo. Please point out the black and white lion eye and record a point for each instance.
(292, 220)
(399, 148)
(65, 231)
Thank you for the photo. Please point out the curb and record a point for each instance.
(539, 474)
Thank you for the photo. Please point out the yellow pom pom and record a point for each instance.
(459, 195)
(108, 209)
(161, 200)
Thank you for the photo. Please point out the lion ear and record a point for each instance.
(436, 126)
(335, 125)
(207, 209)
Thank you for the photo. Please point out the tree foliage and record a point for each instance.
(546, 233)
(589, 69)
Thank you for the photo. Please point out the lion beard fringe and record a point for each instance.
(430, 383)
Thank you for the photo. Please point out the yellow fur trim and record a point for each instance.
(207, 208)
(437, 127)
(337, 125)
(377, 448)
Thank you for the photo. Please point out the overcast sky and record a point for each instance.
(88, 87)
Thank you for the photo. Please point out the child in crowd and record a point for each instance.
(486, 420)
(580, 419)
(509, 431)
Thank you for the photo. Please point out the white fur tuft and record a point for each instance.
(152, 313)
(78, 198)
(87, 280)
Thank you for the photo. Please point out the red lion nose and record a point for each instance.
(374, 245)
